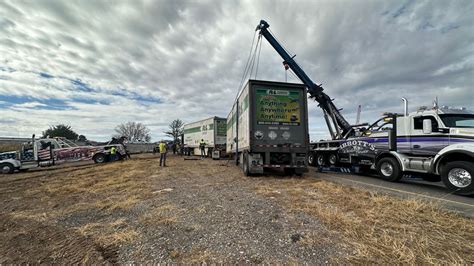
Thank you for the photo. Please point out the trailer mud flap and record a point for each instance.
(255, 162)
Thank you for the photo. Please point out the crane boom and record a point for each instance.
(341, 126)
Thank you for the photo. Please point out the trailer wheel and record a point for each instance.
(332, 159)
(320, 159)
(100, 158)
(312, 159)
(7, 168)
(389, 169)
(245, 165)
(457, 176)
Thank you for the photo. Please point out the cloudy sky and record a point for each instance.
(93, 64)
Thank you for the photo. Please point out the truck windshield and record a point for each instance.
(458, 120)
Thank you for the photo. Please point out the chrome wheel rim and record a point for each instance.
(332, 159)
(320, 160)
(386, 169)
(459, 177)
(5, 169)
(310, 159)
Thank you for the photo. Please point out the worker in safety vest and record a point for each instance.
(202, 146)
(113, 154)
(162, 147)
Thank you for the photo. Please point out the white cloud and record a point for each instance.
(29, 105)
(190, 55)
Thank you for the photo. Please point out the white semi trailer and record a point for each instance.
(212, 130)
(268, 127)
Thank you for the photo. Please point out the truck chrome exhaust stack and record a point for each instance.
(405, 103)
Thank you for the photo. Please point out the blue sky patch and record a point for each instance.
(89, 101)
(49, 104)
(12, 99)
(78, 84)
(7, 69)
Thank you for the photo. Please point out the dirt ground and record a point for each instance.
(206, 211)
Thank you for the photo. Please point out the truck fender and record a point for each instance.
(15, 163)
(394, 154)
(462, 150)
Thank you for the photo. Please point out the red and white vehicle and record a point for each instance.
(52, 151)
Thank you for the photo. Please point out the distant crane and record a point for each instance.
(359, 109)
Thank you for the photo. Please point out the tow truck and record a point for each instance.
(436, 143)
(47, 151)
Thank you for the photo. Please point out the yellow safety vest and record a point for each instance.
(113, 150)
(162, 147)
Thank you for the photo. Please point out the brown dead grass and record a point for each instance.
(106, 234)
(378, 228)
(162, 215)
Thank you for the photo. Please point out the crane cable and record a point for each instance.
(246, 68)
(254, 56)
(258, 57)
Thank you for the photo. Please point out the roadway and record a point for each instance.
(406, 188)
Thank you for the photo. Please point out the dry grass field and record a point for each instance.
(206, 211)
(378, 228)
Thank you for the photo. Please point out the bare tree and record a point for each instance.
(133, 131)
(175, 130)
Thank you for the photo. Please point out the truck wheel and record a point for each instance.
(245, 165)
(311, 159)
(320, 159)
(7, 168)
(332, 159)
(389, 169)
(457, 176)
(100, 158)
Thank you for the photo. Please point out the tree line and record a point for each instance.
(133, 131)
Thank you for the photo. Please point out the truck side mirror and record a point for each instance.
(427, 129)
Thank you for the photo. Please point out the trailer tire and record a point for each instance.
(320, 159)
(458, 177)
(7, 168)
(311, 159)
(332, 159)
(100, 158)
(389, 169)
